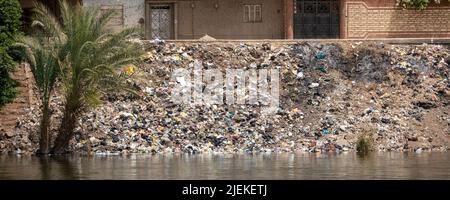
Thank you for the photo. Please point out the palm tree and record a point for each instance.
(45, 68)
(90, 57)
(42, 53)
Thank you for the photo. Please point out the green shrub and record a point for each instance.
(365, 142)
(7, 85)
(7, 88)
(10, 13)
(419, 4)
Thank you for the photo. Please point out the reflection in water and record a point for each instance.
(260, 166)
(45, 167)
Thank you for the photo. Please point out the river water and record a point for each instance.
(260, 166)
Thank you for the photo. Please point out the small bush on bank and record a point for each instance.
(364, 143)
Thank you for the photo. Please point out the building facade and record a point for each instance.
(278, 19)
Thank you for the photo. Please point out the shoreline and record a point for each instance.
(212, 153)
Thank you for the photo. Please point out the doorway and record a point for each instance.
(316, 19)
(160, 23)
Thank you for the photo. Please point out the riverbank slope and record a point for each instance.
(330, 94)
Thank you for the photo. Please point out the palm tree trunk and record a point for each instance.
(68, 124)
(44, 136)
(65, 133)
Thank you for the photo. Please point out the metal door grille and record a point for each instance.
(161, 21)
(316, 19)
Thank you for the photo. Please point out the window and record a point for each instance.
(252, 13)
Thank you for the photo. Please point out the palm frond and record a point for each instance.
(83, 52)
(45, 18)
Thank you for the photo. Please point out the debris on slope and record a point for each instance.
(330, 94)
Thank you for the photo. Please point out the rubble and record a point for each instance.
(330, 94)
(207, 37)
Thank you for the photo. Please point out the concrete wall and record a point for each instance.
(383, 19)
(197, 18)
(133, 10)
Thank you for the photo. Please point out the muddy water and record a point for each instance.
(261, 166)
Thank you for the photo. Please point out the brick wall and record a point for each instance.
(382, 19)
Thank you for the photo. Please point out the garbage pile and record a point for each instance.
(330, 93)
